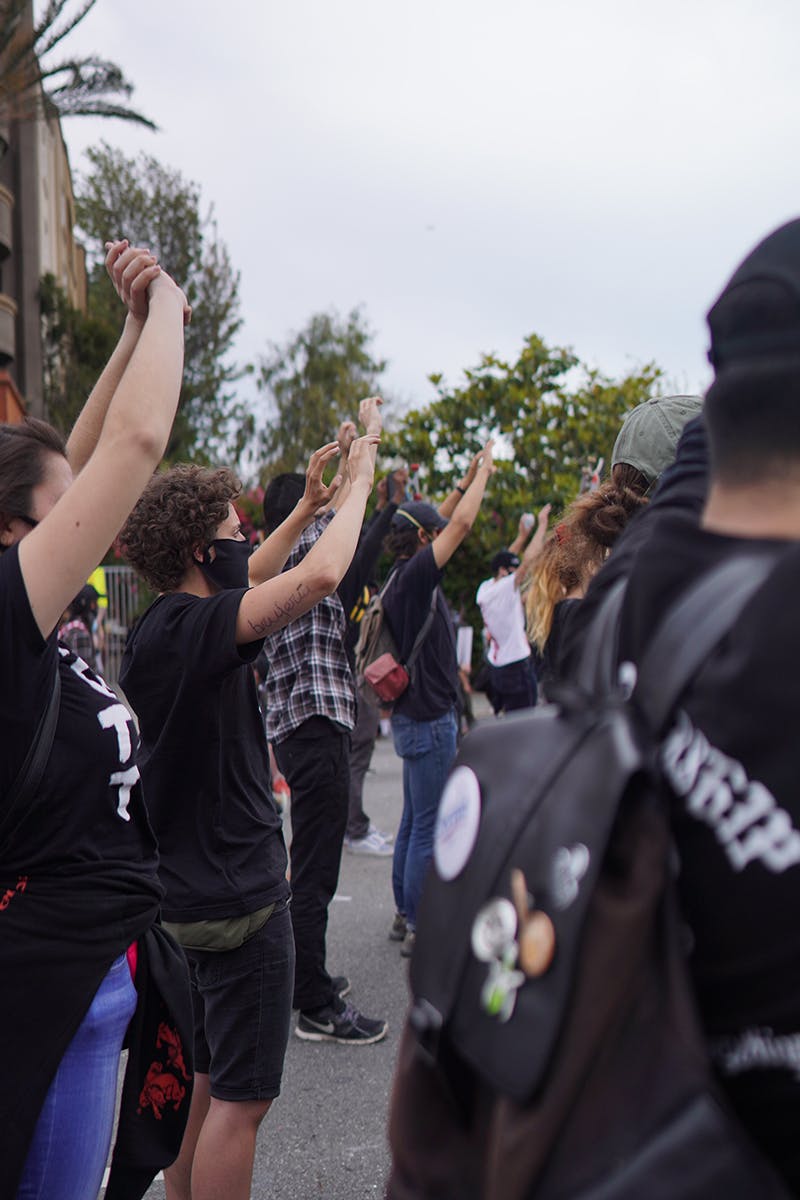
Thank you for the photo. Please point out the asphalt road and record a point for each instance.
(325, 1137)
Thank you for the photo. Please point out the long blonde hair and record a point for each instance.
(575, 550)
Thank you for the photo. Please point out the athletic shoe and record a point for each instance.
(407, 948)
(385, 837)
(398, 930)
(347, 1026)
(371, 843)
(341, 985)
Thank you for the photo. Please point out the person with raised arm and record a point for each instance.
(78, 883)
(424, 726)
(187, 672)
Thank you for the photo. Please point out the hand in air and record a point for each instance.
(361, 463)
(134, 273)
(346, 434)
(131, 270)
(485, 457)
(369, 414)
(317, 494)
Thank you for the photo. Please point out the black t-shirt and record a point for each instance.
(550, 670)
(204, 758)
(93, 824)
(78, 879)
(733, 762)
(407, 601)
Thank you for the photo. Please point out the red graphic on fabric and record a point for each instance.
(169, 1037)
(10, 893)
(160, 1089)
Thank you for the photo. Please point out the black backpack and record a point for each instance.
(552, 1049)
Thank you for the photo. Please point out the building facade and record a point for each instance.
(37, 218)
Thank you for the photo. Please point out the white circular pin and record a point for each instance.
(457, 823)
(493, 929)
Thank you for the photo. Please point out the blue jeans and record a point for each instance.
(70, 1145)
(427, 749)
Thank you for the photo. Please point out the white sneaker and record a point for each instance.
(371, 843)
(385, 837)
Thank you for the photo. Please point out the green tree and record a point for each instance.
(312, 383)
(155, 206)
(551, 417)
(29, 78)
(75, 347)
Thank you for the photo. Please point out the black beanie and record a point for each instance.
(758, 312)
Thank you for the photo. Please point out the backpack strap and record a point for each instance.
(426, 625)
(685, 638)
(423, 633)
(24, 787)
(692, 628)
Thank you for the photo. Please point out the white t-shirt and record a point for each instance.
(504, 617)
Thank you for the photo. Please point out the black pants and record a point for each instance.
(315, 762)
(513, 686)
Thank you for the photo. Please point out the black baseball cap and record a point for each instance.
(419, 513)
(504, 558)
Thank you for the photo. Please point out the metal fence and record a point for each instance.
(127, 597)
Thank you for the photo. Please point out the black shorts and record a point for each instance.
(242, 1011)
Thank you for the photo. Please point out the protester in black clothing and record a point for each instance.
(424, 721)
(573, 553)
(730, 756)
(311, 711)
(187, 672)
(361, 836)
(78, 883)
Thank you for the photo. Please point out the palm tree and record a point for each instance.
(29, 80)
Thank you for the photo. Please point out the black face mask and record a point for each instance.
(229, 566)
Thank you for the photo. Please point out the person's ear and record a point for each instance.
(6, 535)
(423, 537)
(199, 553)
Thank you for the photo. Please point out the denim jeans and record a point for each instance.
(427, 749)
(68, 1153)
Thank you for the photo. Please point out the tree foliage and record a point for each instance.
(551, 417)
(75, 348)
(312, 383)
(154, 206)
(88, 86)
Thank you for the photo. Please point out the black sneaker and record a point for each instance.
(347, 1026)
(341, 985)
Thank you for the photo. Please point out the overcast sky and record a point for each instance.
(588, 170)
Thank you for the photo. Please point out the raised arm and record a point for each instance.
(271, 605)
(73, 535)
(268, 560)
(131, 271)
(369, 416)
(523, 533)
(460, 489)
(447, 542)
(534, 547)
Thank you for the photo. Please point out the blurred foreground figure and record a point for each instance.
(728, 771)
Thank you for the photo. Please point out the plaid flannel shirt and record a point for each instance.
(308, 673)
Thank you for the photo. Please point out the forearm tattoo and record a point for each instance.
(280, 612)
